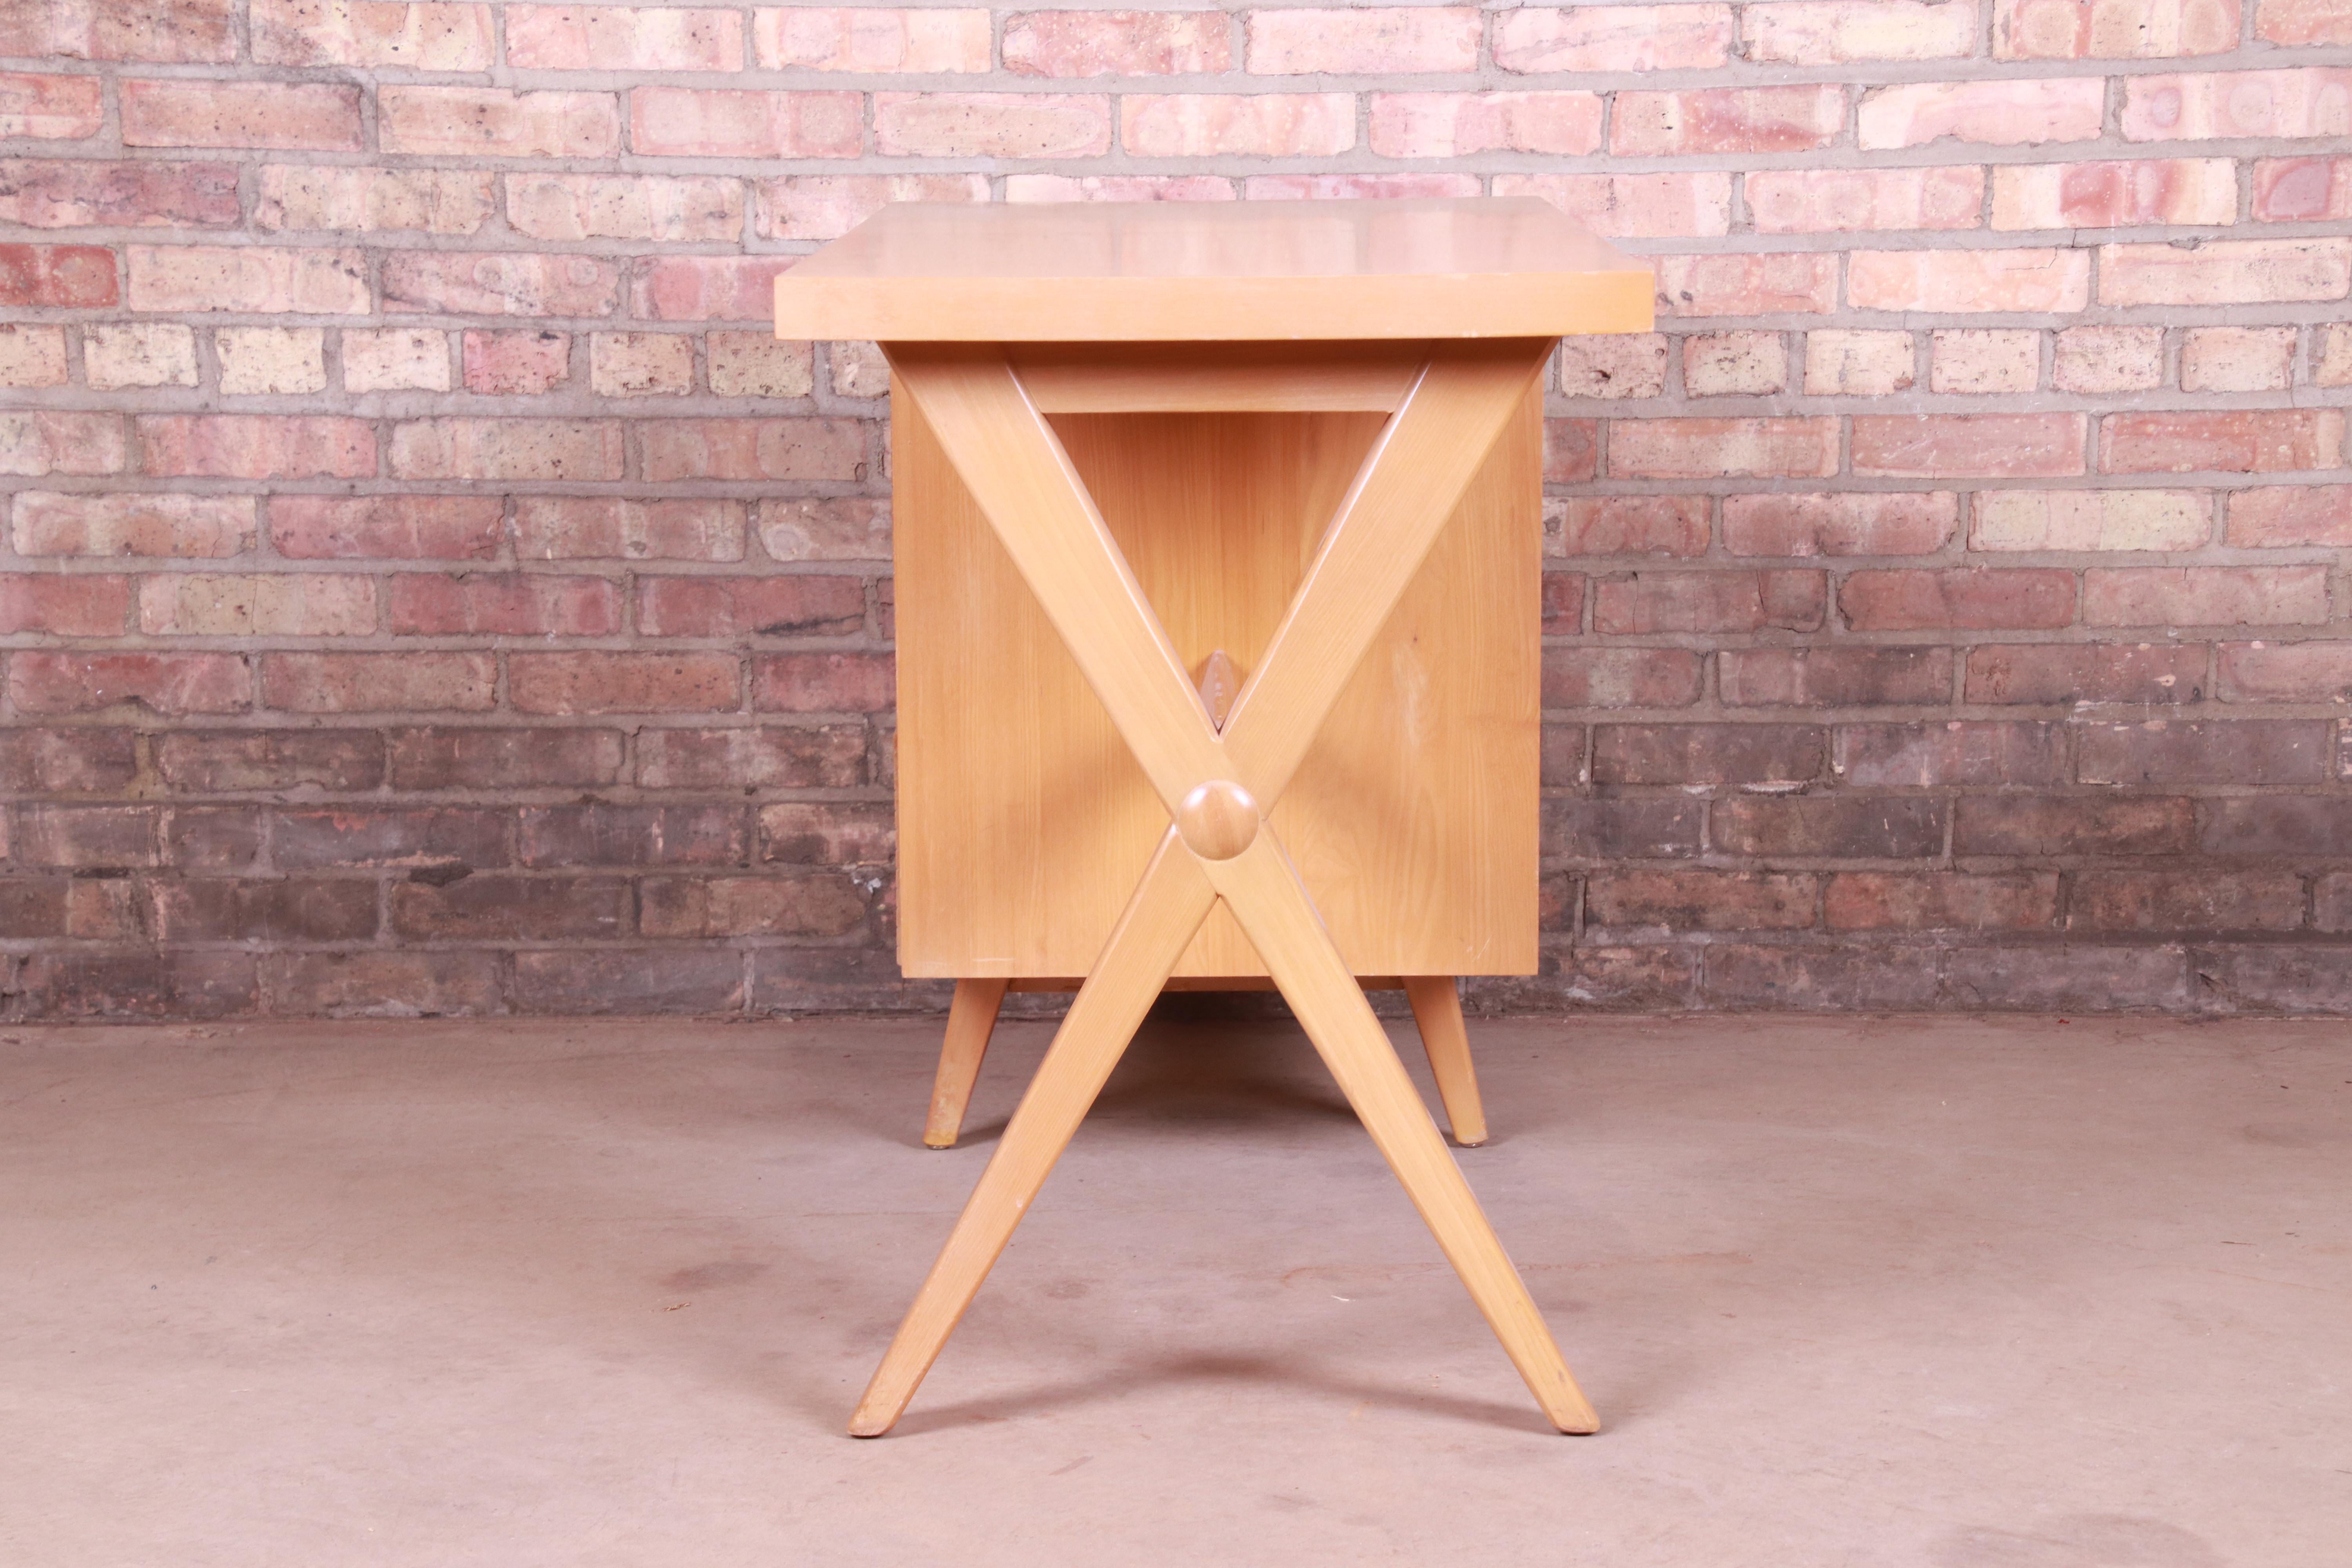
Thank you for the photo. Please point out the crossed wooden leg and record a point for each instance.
(1218, 786)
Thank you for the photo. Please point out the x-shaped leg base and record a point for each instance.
(1218, 786)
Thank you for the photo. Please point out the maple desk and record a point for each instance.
(1217, 537)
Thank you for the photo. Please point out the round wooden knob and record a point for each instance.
(1217, 820)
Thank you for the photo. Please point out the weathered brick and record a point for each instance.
(616, 38)
(1958, 281)
(397, 359)
(43, 441)
(1115, 43)
(1613, 38)
(216, 759)
(101, 837)
(2300, 826)
(1613, 366)
(1571, 450)
(443, 759)
(1707, 754)
(2112, 29)
(282, 361)
(358, 528)
(1817, 201)
(1711, 449)
(1626, 525)
(824, 683)
(2311, 102)
(1726, 120)
(2226, 272)
(1833, 32)
(705, 287)
(2002, 113)
(641, 364)
(1702, 901)
(826, 207)
(183, 112)
(502, 603)
(1832, 826)
(2197, 902)
(138, 354)
(1451, 124)
(1563, 603)
(75, 760)
(1940, 901)
(805, 834)
(2204, 596)
(1833, 678)
(2302, 190)
(261, 279)
(2109, 359)
(1720, 601)
(1621, 677)
(279, 910)
(1357, 187)
(2042, 826)
(58, 193)
(425, 36)
(2240, 441)
(623, 682)
(378, 682)
(566, 836)
(2237, 358)
(1858, 363)
(1722, 365)
(857, 370)
(1622, 827)
(2286, 672)
(1129, 187)
(1971, 361)
(159, 682)
(606, 980)
(2272, 978)
(869, 39)
(275, 604)
(2114, 194)
(358, 836)
(2077, 978)
(2072, 674)
(559, 528)
(2005, 446)
(49, 523)
(499, 284)
(68, 277)
(2090, 520)
(756, 364)
(707, 122)
(824, 756)
(2274, 515)
(1782, 283)
(256, 445)
(795, 606)
(1955, 598)
(616, 206)
(1744, 975)
(1193, 125)
(2178, 751)
(1956, 752)
(498, 907)
(2303, 22)
(50, 108)
(507, 364)
(60, 606)
(168, 984)
(506, 449)
(487, 121)
(1362, 40)
(382, 985)
(816, 904)
(752, 448)
(347, 198)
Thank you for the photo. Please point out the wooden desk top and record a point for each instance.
(1199, 271)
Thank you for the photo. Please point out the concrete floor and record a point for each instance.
(1849, 1294)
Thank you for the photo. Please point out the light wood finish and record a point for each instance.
(1221, 378)
(1437, 1012)
(972, 1018)
(1217, 820)
(1195, 271)
(1168, 905)
(1023, 820)
(1187, 983)
(1032, 497)
(1261, 887)
(1219, 679)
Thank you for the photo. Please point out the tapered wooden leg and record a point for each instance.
(1169, 906)
(1264, 892)
(1437, 1009)
(972, 1018)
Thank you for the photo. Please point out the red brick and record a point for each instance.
(992, 124)
(554, 528)
(34, 442)
(2241, 441)
(76, 760)
(1749, 364)
(1355, 187)
(427, 36)
(1820, 980)
(699, 122)
(2056, 825)
(184, 112)
(825, 683)
(798, 833)
(2303, 22)
(1571, 450)
(379, 682)
(1702, 901)
(1726, 120)
(2112, 29)
(1621, 677)
(1379, 40)
(1940, 901)
(632, 981)
(1833, 32)
(60, 193)
(1631, 525)
(1829, 827)
(1707, 754)
(356, 836)
(79, 605)
(508, 363)
(382, 985)
(253, 278)
(2006, 112)
(870, 39)
(1449, 124)
(48, 524)
(623, 682)
(841, 527)
(137, 985)
(1613, 38)
(2205, 595)
(256, 445)
(159, 682)
(359, 528)
(2307, 102)
(2226, 271)
(1621, 828)
(2114, 194)
(706, 288)
(633, 836)
(1563, 603)
(2275, 515)
(464, 122)
(826, 207)
(1713, 448)
(615, 37)
(503, 605)
(2069, 674)
(1957, 751)
(210, 761)
(499, 284)
(1128, 188)
(2286, 672)
(643, 206)
(2005, 446)
(280, 910)
(1833, 678)
(1735, 601)
(68, 277)
(1785, 283)
(2175, 902)
(2302, 190)
(469, 758)
(2173, 752)
(1819, 200)
(1196, 125)
(1116, 43)
(271, 603)
(792, 606)
(50, 108)
(506, 449)
(2066, 979)
(822, 904)
(1957, 598)
(752, 449)
(824, 756)
(2304, 826)
(496, 908)
(1960, 280)
(1857, 524)
(1674, 205)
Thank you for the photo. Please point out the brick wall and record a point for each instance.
(426, 587)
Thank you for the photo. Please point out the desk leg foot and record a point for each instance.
(1169, 906)
(972, 1018)
(1261, 888)
(1437, 1009)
